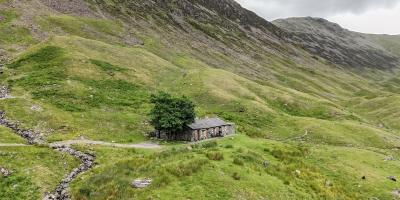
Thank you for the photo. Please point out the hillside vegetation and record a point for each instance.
(86, 69)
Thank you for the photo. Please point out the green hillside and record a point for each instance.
(87, 70)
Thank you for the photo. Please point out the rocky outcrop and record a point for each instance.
(71, 7)
(87, 162)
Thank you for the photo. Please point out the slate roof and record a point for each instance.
(207, 123)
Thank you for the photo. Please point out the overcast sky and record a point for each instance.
(368, 16)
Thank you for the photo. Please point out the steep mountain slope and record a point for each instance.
(340, 46)
(87, 69)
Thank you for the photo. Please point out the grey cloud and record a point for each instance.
(272, 9)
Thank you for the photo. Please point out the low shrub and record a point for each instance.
(217, 156)
(236, 176)
(209, 145)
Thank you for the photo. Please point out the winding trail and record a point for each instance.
(101, 143)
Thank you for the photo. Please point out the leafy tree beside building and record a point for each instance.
(171, 114)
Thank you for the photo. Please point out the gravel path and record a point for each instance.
(146, 145)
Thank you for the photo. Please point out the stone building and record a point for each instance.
(201, 129)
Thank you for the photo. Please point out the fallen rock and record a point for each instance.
(133, 41)
(328, 183)
(3, 92)
(266, 163)
(396, 193)
(392, 178)
(36, 108)
(141, 183)
(389, 158)
(5, 172)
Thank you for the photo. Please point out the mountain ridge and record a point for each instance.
(336, 44)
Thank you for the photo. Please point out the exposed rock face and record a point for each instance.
(224, 15)
(74, 7)
(336, 44)
(87, 162)
(389, 158)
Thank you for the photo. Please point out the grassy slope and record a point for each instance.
(80, 94)
(301, 116)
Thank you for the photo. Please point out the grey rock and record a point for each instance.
(328, 183)
(396, 193)
(3, 91)
(5, 172)
(36, 108)
(141, 183)
(266, 163)
(392, 178)
(133, 41)
(389, 158)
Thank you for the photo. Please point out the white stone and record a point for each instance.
(141, 183)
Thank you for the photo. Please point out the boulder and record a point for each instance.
(266, 163)
(5, 172)
(36, 108)
(389, 158)
(392, 178)
(141, 183)
(396, 193)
